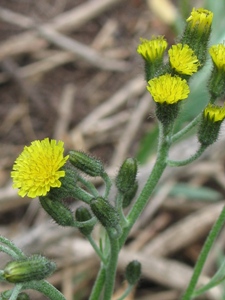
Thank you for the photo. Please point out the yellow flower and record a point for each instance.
(153, 49)
(200, 18)
(168, 89)
(37, 168)
(217, 53)
(214, 113)
(183, 59)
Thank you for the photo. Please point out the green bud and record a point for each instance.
(86, 163)
(216, 83)
(7, 294)
(133, 272)
(36, 267)
(59, 212)
(82, 215)
(129, 195)
(126, 177)
(23, 296)
(208, 132)
(210, 124)
(105, 212)
(152, 51)
(197, 32)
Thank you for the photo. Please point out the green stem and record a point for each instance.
(15, 292)
(10, 252)
(119, 208)
(89, 185)
(185, 130)
(108, 184)
(45, 288)
(126, 293)
(90, 222)
(97, 250)
(81, 194)
(111, 267)
(151, 183)
(203, 255)
(12, 246)
(99, 283)
(179, 163)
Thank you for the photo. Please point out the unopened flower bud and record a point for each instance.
(129, 195)
(36, 267)
(126, 177)
(209, 128)
(197, 32)
(82, 215)
(7, 294)
(133, 272)
(105, 212)
(59, 212)
(86, 163)
(216, 83)
(152, 52)
(23, 296)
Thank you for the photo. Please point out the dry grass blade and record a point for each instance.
(75, 47)
(66, 22)
(65, 111)
(133, 88)
(184, 232)
(135, 121)
(85, 52)
(167, 272)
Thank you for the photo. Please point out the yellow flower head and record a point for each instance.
(168, 89)
(200, 18)
(214, 113)
(217, 53)
(183, 59)
(37, 168)
(152, 49)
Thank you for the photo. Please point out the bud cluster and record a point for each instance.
(97, 206)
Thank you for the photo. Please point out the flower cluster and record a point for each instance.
(183, 59)
(168, 81)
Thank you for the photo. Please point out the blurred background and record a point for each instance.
(69, 70)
